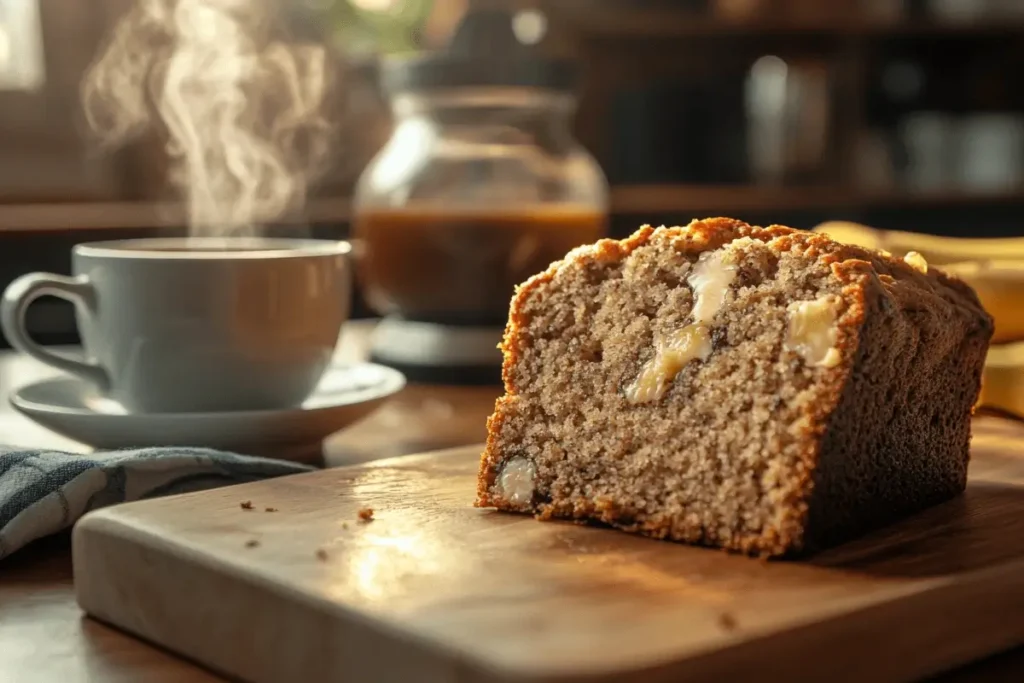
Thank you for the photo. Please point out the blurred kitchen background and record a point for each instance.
(902, 114)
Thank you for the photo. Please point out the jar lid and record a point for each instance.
(484, 52)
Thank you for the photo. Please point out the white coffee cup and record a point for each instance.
(196, 324)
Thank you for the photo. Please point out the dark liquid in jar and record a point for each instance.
(462, 268)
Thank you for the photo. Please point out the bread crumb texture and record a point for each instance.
(764, 390)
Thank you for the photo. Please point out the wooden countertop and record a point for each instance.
(642, 201)
(61, 217)
(45, 637)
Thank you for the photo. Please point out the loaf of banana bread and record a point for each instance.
(764, 390)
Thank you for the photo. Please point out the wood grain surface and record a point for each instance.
(434, 590)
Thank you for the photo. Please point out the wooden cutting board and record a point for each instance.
(434, 590)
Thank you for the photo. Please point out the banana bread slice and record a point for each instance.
(764, 390)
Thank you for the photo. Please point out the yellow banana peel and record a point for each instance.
(1002, 383)
(994, 267)
(936, 250)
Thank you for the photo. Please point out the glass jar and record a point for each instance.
(479, 187)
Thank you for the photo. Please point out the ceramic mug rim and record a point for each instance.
(238, 248)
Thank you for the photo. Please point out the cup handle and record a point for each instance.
(20, 294)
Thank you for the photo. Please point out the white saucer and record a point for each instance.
(346, 393)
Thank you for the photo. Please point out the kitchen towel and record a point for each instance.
(43, 492)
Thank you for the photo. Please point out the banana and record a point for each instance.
(1002, 383)
(937, 250)
(994, 267)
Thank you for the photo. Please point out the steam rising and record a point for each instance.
(240, 105)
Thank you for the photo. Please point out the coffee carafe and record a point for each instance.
(480, 186)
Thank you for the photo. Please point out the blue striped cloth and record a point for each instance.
(43, 492)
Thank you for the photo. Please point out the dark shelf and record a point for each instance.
(595, 20)
(658, 199)
(85, 216)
